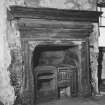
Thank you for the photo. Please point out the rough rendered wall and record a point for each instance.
(16, 57)
(69, 4)
(7, 95)
(61, 4)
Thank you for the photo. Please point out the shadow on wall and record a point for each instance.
(55, 55)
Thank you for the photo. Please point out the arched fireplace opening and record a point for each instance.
(55, 57)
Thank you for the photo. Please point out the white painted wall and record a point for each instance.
(7, 95)
(102, 37)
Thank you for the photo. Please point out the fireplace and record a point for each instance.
(65, 55)
(57, 39)
(58, 60)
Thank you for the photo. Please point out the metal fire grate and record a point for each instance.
(64, 73)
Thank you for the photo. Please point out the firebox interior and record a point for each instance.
(63, 59)
(54, 55)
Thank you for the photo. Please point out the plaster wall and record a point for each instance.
(7, 95)
(61, 4)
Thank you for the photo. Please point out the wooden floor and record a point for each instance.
(99, 100)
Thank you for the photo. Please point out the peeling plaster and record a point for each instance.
(7, 95)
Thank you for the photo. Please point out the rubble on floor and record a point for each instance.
(96, 100)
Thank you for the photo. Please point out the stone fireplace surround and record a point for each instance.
(55, 27)
(77, 50)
